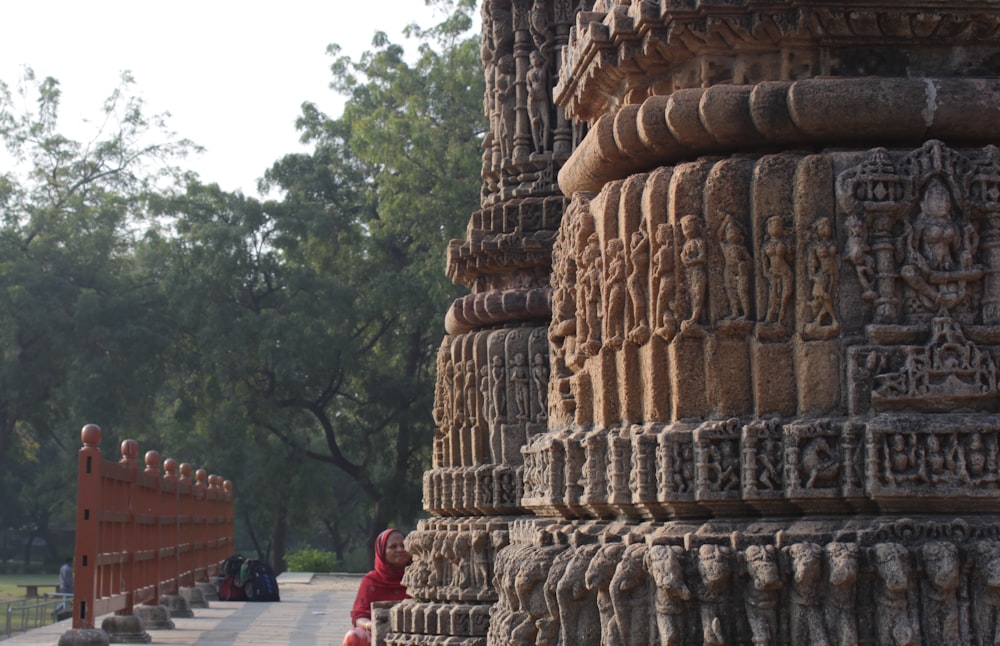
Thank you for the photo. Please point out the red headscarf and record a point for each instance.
(384, 583)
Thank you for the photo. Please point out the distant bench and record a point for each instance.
(31, 589)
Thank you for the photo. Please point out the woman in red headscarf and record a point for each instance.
(384, 583)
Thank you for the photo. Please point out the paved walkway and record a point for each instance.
(313, 610)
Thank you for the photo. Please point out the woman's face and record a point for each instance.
(395, 553)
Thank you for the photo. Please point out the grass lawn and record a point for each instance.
(9, 589)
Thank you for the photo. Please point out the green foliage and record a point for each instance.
(295, 337)
(309, 559)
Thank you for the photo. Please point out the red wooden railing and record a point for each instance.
(140, 534)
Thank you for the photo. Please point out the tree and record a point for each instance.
(79, 326)
(316, 317)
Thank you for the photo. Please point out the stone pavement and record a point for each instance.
(314, 609)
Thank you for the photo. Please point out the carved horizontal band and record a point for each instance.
(815, 582)
(898, 464)
(478, 311)
(646, 47)
(693, 122)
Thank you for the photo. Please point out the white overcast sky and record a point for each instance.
(233, 75)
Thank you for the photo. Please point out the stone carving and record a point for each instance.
(664, 266)
(714, 570)
(807, 624)
(636, 320)
(726, 428)
(694, 258)
(763, 586)
(598, 579)
(823, 268)
(893, 567)
(630, 597)
(666, 567)
(776, 267)
(738, 268)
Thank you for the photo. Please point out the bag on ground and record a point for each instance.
(229, 587)
(258, 581)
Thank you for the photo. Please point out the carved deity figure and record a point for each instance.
(841, 609)
(595, 466)
(665, 283)
(939, 253)
(901, 459)
(694, 258)
(519, 381)
(589, 301)
(630, 597)
(807, 623)
(715, 573)
(481, 561)
(721, 469)
(505, 97)
(665, 564)
(777, 269)
(615, 291)
(498, 374)
(539, 105)
(737, 268)
(939, 465)
(486, 393)
(761, 596)
(598, 578)
(540, 383)
(823, 266)
(638, 271)
(893, 608)
(940, 598)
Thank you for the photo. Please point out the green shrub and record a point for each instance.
(310, 559)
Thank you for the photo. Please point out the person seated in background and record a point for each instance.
(384, 583)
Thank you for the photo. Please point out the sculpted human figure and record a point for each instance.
(666, 567)
(737, 268)
(486, 393)
(722, 467)
(940, 597)
(638, 272)
(900, 458)
(694, 258)
(614, 289)
(893, 609)
(777, 269)
(823, 267)
(715, 573)
(540, 383)
(499, 377)
(539, 106)
(630, 597)
(841, 608)
(519, 381)
(504, 92)
(481, 561)
(665, 283)
(761, 597)
(939, 254)
(598, 578)
(807, 625)
(588, 316)
(578, 615)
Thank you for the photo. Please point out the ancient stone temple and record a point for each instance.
(727, 372)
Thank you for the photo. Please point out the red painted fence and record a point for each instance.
(141, 534)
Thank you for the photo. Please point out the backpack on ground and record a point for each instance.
(258, 581)
(229, 586)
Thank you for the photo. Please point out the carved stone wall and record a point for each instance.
(740, 384)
